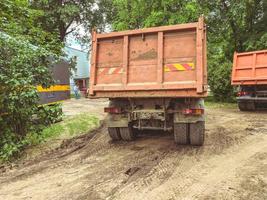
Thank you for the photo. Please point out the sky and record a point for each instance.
(73, 42)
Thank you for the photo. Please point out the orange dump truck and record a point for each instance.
(250, 74)
(155, 79)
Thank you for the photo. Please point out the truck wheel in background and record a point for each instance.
(196, 133)
(114, 133)
(127, 133)
(251, 106)
(180, 133)
(246, 106)
(242, 106)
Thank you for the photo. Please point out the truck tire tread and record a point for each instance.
(127, 133)
(181, 133)
(242, 106)
(197, 132)
(246, 106)
(114, 133)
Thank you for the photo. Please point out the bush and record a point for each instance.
(22, 67)
(49, 114)
(220, 81)
(11, 144)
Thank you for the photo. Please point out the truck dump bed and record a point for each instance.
(167, 61)
(250, 68)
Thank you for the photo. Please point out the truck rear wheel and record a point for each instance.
(251, 106)
(242, 106)
(114, 133)
(127, 133)
(246, 106)
(197, 131)
(181, 133)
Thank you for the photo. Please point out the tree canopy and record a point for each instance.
(64, 17)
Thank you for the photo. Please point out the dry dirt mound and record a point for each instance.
(231, 165)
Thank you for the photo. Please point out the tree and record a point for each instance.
(18, 19)
(65, 16)
(141, 13)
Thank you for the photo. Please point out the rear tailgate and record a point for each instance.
(250, 68)
(152, 62)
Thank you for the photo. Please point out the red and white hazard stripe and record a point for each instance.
(110, 70)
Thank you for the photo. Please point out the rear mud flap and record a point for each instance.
(181, 118)
(117, 121)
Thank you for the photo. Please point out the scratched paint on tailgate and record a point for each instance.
(166, 61)
(109, 61)
(179, 56)
(143, 58)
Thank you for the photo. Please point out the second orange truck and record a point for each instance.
(250, 75)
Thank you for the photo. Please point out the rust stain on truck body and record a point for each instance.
(167, 61)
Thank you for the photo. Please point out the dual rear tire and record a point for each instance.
(189, 133)
(184, 133)
(121, 133)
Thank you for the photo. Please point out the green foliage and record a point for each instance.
(11, 145)
(220, 81)
(17, 18)
(232, 26)
(49, 114)
(23, 66)
(141, 13)
(65, 17)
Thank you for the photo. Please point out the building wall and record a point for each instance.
(82, 68)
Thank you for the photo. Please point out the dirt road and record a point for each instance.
(232, 164)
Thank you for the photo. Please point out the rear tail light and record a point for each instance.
(113, 110)
(193, 111)
(242, 93)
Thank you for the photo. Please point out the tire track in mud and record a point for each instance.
(148, 168)
(252, 182)
(142, 160)
(219, 143)
(55, 158)
(220, 140)
(224, 168)
(191, 179)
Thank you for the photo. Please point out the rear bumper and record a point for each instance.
(251, 99)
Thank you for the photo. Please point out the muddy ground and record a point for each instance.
(232, 164)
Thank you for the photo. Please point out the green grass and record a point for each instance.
(81, 124)
(69, 127)
(50, 135)
(213, 104)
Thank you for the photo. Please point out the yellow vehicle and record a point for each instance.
(61, 90)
